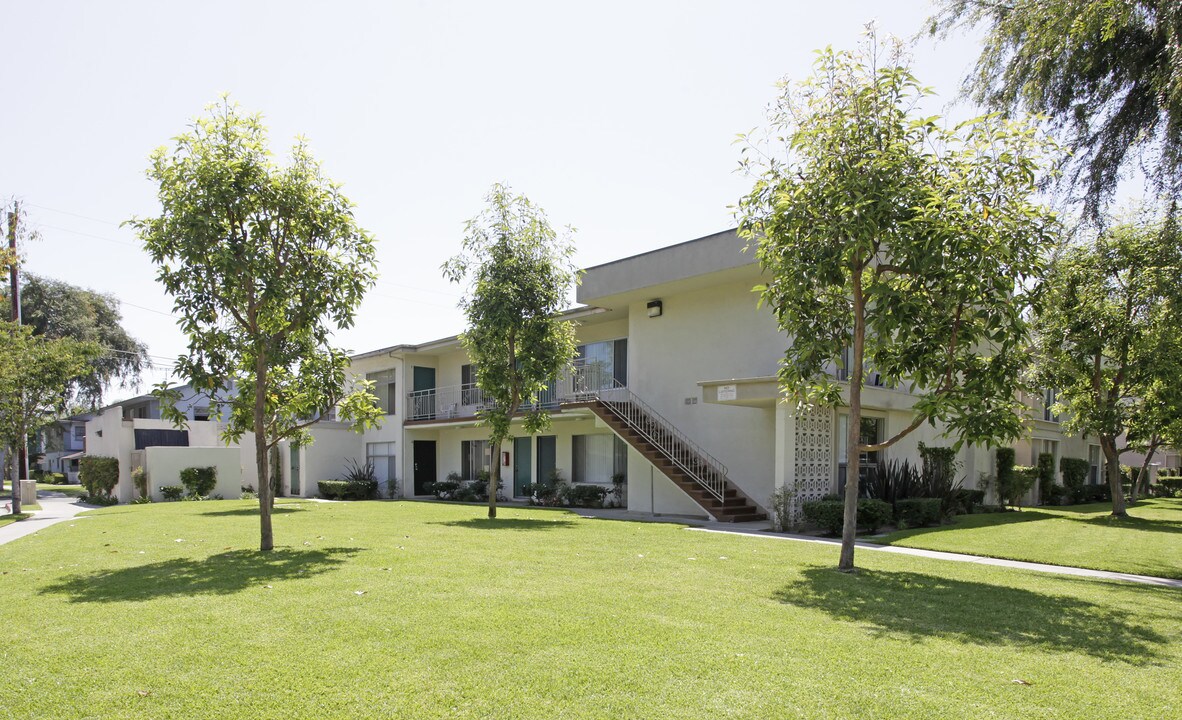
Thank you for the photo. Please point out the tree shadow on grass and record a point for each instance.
(1132, 523)
(507, 524)
(917, 606)
(220, 574)
(253, 511)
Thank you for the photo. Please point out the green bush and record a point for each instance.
(444, 489)
(587, 495)
(1046, 477)
(199, 481)
(829, 515)
(99, 475)
(967, 501)
(53, 478)
(1091, 494)
(1005, 472)
(139, 476)
(918, 512)
(99, 499)
(1075, 471)
(1172, 484)
(331, 489)
(172, 492)
(1057, 495)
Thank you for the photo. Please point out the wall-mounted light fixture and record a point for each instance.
(654, 308)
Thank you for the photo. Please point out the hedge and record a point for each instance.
(1075, 471)
(99, 474)
(917, 512)
(347, 489)
(830, 514)
(199, 481)
(1046, 477)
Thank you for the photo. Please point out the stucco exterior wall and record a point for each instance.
(164, 465)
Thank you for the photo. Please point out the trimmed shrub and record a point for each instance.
(172, 492)
(1046, 478)
(829, 515)
(918, 512)
(1005, 473)
(1075, 471)
(1091, 494)
(331, 489)
(1057, 495)
(53, 478)
(1172, 484)
(199, 481)
(99, 475)
(967, 501)
(361, 489)
(444, 489)
(586, 495)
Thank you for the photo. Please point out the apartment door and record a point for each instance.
(424, 404)
(547, 457)
(424, 459)
(295, 471)
(521, 458)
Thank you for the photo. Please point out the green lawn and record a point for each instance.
(1148, 542)
(72, 490)
(10, 518)
(419, 610)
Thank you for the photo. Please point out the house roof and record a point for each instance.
(686, 263)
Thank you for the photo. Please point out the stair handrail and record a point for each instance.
(706, 470)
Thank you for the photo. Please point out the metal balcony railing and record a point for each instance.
(587, 383)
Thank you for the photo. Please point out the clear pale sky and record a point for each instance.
(616, 117)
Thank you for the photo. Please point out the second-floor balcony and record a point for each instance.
(453, 402)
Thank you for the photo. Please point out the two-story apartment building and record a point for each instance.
(674, 388)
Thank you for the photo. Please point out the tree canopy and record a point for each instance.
(57, 309)
(890, 242)
(263, 262)
(1107, 337)
(519, 271)
(34, 373)
(1107, 74)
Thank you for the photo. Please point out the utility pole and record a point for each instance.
(22, 456)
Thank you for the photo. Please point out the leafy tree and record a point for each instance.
(262, 261)
(519, 270)
(1106, 73)
(58, 309)
(1107, 333)
(34, 373)
(1157, 421)
(913, 248)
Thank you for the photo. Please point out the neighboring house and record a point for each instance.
(133, 432)
(675, 389)
(64, 443)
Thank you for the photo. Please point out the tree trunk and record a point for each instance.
(1142, 480)
(849, 528)
(20, 473)
(494, 477)
(266, 539)
(1112, 468)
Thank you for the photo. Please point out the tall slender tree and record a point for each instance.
(913, 248)
(263, 262)
(518, 271)
(1107, 336)
(34, 374)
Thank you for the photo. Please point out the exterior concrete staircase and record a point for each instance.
(695, 471)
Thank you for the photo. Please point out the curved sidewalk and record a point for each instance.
(958, 557)
(53, 511)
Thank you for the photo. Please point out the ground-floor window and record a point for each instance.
(1094, 464)
(474, 458)
(597, 458)
(381, 457)
(872, 434)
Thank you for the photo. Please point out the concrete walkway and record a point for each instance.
(763, 530)
(954, 557)
(53, 511)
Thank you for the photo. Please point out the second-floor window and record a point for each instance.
(605, 362)
(79, 432)
(1049, 398)
(384, 388)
